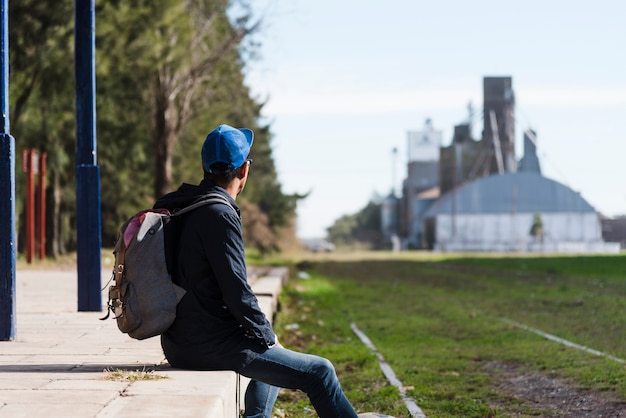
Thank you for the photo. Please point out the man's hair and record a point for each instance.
(223, 177)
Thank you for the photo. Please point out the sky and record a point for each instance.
(344, 81)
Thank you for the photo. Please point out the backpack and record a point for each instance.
(143, 297)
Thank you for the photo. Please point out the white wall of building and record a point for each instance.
(563, 232)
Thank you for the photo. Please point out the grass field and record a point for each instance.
(438, 321)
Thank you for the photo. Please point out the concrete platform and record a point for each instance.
(61, 362)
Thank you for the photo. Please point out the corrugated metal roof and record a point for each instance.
(511, 192)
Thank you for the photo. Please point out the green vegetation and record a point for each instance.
(359, 229)
(167, 72)
(122, 375)
(438, 322)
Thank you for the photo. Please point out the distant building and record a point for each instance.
(474, 196)
(467, 159)
(496, 213)
(460, 162)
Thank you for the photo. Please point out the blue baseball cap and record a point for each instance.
(226, 145)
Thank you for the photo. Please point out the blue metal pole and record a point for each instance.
(88, 217)
(7, 190)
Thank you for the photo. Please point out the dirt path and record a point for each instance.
(540, 395)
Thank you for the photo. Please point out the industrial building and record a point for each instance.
(475, 195)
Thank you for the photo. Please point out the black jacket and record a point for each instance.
(219, 325)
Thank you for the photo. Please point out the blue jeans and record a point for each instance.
(281, 368)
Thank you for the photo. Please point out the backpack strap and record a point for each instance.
(209, 199)
(172, 242)
(114, 304)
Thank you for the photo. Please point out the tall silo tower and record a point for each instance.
(421, 186)
(530, 161)
(499, 125)
(423, 165)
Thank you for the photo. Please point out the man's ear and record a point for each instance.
(244, 170)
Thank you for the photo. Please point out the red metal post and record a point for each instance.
(42, 206)
(30, 204)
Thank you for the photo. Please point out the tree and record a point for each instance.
(361, 227)
(181, 48)
(167, 71)
(536, 229)
(42, 103)
(185, 67)
(342, 230)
